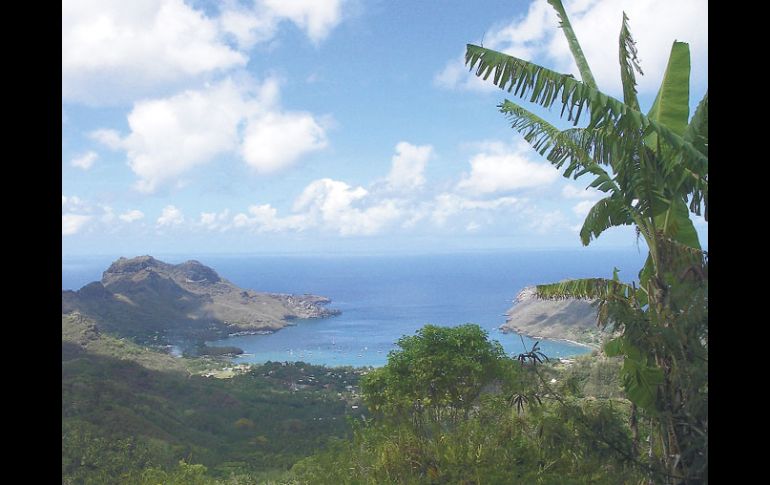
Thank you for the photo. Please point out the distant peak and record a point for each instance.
(197, 272)
(191, 271)
(133, 265)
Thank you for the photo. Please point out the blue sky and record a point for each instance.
(338, 125)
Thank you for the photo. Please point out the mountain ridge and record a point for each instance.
(156, 302)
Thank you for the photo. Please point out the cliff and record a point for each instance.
(153, 301)
(568, 319)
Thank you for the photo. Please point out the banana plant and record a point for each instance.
(653, 169)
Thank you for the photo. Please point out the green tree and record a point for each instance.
(437, 374)
(653, 169)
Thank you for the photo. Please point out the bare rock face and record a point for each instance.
(151, 300)
(568, 319)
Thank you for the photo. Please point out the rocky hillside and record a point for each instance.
(155, 302)
(555, 319)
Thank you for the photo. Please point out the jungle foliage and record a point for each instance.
(451, 407)
(121, 419)
(653, 170)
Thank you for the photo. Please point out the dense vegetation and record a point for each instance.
(122, 415)
(653, 170)
(451, 407)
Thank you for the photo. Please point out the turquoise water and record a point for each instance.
(385, 297)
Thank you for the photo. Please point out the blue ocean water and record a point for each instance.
(388, 296)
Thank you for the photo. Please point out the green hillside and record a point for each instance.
(126, 408)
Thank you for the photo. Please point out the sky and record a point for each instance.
(343, 126)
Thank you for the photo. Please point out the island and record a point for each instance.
(158, 303)
(572, 320)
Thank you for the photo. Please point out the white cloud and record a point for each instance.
(315, 17)
(74, 203)
(582, 207)
(587, 199)
(473, 226)
(499, 170)
(108, 214)
(109, 138)
(171, 216)
(265, 219)
(276, 140)
(171, 136)
(131, 216)
(215, 221)
(333, 204)
(572, 192)
(327, 205)
(85, 161)
(548, 222)
(248, 26)
(73, 223)
(456, 76)
(408, 166)
(654, 24)
(115, 51)
(446, 205)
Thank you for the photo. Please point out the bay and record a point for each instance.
(384, 297)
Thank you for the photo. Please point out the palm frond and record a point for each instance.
(676, 224)
(671, 107)
(586, 289)
(606, 213)
(544, 87)
(697, 131)
(574, 45)
(586, 149)
(629, 62)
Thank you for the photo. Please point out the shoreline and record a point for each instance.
(541, 337)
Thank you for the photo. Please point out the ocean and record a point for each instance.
(385, 297)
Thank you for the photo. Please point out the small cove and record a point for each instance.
(383, 298)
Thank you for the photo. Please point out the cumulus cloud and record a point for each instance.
(572, 192)
(131, 216)
(582, 207)
(171, 216)
(456, 76)
(315, 17)
(654, 24)
(587, 199)
(264, 218)
(248, 25)
(548, 222)
(472, 226)
(109, 138)
(336, 206)
(333, 203)
(74, 203)
(274, 141)
(215, 221)
(73, 223)
(114, 51)
(170, 136)
(85, 161)
(108, 214)
(327, 205)
(76, 214)
(497, 169)
(408, 166)
(447, 204)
